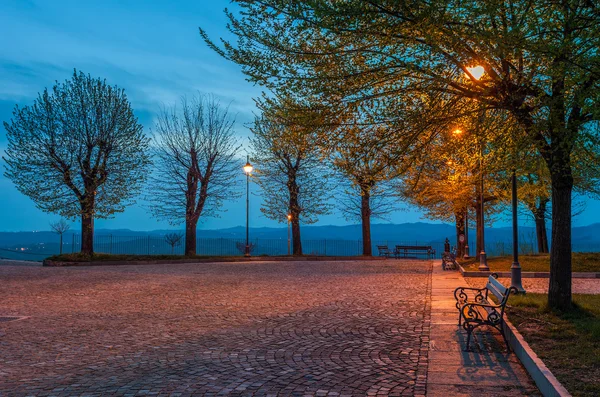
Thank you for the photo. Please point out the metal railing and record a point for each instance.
(157, 245)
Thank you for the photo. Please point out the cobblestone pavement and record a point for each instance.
(262, 329)
(540, 285)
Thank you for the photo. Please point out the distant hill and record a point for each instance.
(586, 238)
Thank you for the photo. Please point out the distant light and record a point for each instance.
(457, 131)
(476, 71)
(289, 217)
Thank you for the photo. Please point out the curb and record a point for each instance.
(466, 273)
(50, 263)
(541, 375)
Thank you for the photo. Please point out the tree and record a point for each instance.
(290, 170)
(60, 227)
(174, 240)
(539, 58)
(363, 157)
(195, 164)
(78, 151)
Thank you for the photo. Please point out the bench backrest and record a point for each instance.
(413, 247)
(382, 247)
(500, 291)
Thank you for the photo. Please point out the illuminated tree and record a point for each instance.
(539, 58)
(290, 169)
(78, 151)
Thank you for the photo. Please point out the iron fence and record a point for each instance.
(157, 245)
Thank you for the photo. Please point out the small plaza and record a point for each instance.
(335, 328)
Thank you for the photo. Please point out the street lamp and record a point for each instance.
(289, 218)
(477, 73)
(458, 132)
(247, 169)
(515, 269)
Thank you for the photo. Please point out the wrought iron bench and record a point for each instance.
(449, 260)
(408, 251)
(384, 251)
(475, 309)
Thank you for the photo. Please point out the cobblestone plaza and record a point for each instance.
(272, 328)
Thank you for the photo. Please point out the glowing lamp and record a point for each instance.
(476, 71)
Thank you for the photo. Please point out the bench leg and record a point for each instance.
(469, 332)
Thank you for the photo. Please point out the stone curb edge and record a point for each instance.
(50, 263)
(543, 378)
(466, 273)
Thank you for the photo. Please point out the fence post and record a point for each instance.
(148, 245)
(72, 243)
(110, 246)
(325, 247)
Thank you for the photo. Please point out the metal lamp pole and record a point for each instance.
(289, 218)
(515, 269)
(466, 255)
(483, 266)
(247, 169)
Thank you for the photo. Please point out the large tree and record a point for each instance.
(539, 56)
(365, 157)
(78, 151)
(290, 169)
(196, 165)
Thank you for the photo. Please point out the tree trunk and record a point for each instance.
(365, 215)
(540, 228)
(559, 291)
(460, 229)
(190, 237)
(296, 240)
(294, 210)
(87, 233)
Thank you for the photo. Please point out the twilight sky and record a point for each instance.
(153, 51)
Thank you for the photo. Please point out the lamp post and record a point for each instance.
(515, 269)
(466, 256)
(483, 265)
(247, 169)
(477, 72)
(289, 218)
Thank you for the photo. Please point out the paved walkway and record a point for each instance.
(485, 371)
(244, 329)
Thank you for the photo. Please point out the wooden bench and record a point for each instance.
(403, 251)
(449, 261)
(475, 309)
(384, 251)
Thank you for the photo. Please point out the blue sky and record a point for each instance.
(153, 51)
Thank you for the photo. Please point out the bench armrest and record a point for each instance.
(460, 294)
(469, 313)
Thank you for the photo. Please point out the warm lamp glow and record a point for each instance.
(457, 131)
(476, 71)
(248, 168)
(289, 217)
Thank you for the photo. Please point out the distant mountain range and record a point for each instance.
(587, 238)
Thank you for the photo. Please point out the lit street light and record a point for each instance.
(289, 218)
(477, 73)
(247, 169)
(515, 269)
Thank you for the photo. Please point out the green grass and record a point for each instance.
(582, 262)
(568, 343)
